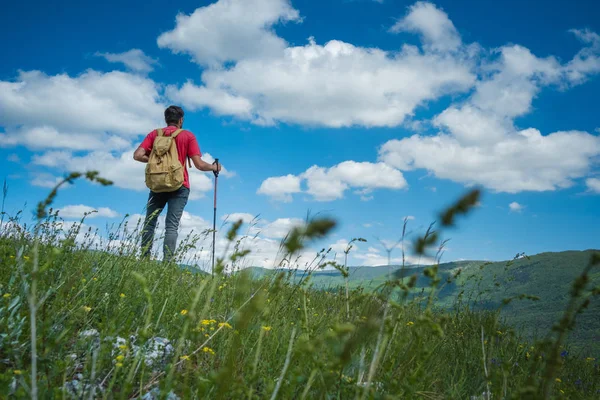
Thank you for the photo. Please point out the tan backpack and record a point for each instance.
(164, 172)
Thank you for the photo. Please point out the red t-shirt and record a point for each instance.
(187, 146)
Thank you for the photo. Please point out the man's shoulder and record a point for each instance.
(188, 134)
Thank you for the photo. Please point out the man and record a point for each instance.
(187, 147)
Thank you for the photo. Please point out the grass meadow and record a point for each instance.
(79, 320)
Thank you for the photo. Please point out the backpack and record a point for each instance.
(164, 172)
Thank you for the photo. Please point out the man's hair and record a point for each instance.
(173, 114)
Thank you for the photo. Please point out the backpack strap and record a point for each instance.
(159, 132)
(177, 132)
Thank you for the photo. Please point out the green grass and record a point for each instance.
(548, 276)
(254, 337)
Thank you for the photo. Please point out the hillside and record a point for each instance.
(485, 285)
(105, 323)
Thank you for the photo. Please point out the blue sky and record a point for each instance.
(366, 111)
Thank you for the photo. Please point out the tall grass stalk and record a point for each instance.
(286, 364)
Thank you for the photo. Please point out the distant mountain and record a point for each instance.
(548, 276)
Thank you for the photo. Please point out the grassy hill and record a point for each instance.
(485, 285)
(76, 323)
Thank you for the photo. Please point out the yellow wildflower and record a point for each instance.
(266, 328)
(589, 359)
(123, 347)
(224, 324)
(17, 372)
(6, 295)
(562, 391)
(26, 258)
(95, 279)
(410, 323)
(83, 280)
(208, 350)
(184, 312)
(87, 309)
(527, 355)
(120, 357)
(221, 287)
(206, 335)
(12, 256)
(499, 332)
(558, 380)
(298, 308)
(186, 358)
(122, 295)
(118, 365)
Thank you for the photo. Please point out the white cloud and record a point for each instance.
(233, 217)
(593, 184)
(46, 180)
(525, 160)
(340, 246)
(280, 187)
(433, 24)
(329, 184)
(134, 59)
(479, 143)
(221, 102)
(92, 103)
(230, 30)
(409, 218)
(279, 228)
(516, 207)
(335, 84)
(326, 184)
(46, 137)
(78, 211)
(14, 158)
(587, 61)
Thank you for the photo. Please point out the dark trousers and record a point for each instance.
(176, 202)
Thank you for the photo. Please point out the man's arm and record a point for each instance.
(202, 165)
(140, 155)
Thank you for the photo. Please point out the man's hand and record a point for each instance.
(216, 167)
(140, 155)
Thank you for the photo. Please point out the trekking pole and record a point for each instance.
(215, 216)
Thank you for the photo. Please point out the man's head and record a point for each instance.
(174, 116)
